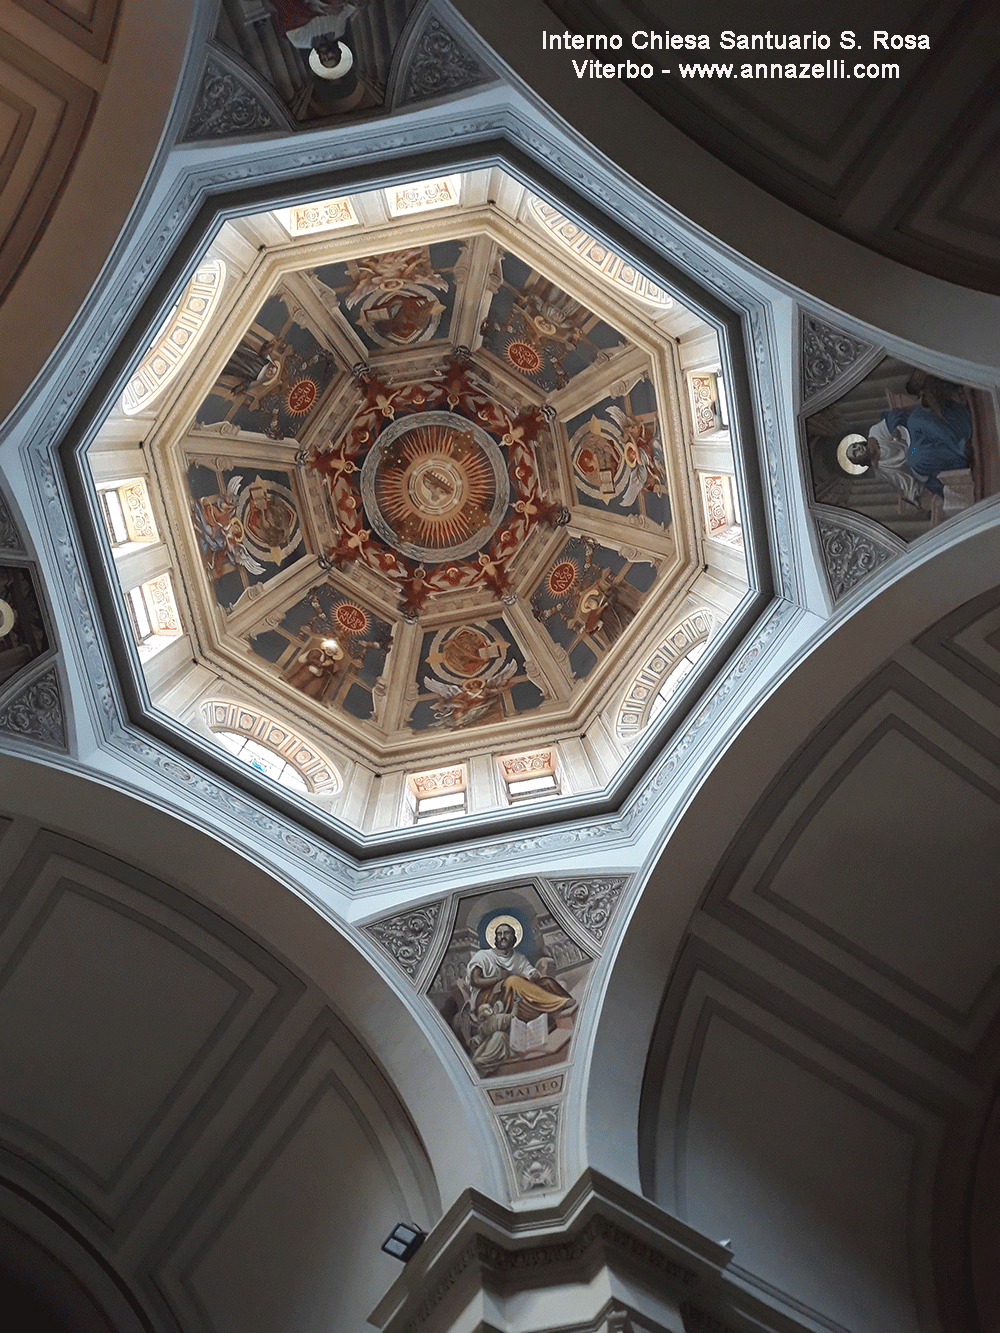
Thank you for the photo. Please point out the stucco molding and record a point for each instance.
(11, 542)
(592, 901)
(406, 937)
(431, 61)
(54, 868)
(656, 1265)
(34, 713)
(828, 356)
(531, 1136)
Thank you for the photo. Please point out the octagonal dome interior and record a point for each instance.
(422, 501)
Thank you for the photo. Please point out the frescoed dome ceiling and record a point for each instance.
(431, 477)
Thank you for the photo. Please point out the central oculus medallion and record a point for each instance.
(435, 486)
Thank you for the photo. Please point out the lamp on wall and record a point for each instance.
(404, 1241)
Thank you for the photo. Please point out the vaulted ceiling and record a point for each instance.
(426, 467)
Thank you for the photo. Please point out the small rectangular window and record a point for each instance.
(152, 613)
(114, 517)
(533, 787)
(127, 514)
(721, 405)
(440, 793)
(142, 627)
(440, 807)
(530, 775)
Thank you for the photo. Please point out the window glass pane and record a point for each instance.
(231, 741)
(720, 390)
(264, 761)
(114, 517)
(292, 779)
(447, 801)
(532, 786)
(669, 686)
(139, 616)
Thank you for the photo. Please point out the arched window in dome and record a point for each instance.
(596, 255)
(271, 748)
(176, 339)
(657, 680)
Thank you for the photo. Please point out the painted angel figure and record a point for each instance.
(401, 269)
(636, 443)
(220, 533)
(475, 700)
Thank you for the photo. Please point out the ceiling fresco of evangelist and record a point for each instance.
(427, 475)
(905, 448)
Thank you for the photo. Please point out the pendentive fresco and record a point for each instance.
(510, 983)
(905, 448)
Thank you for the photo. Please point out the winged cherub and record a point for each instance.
(462, 705)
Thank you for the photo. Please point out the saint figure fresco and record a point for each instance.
(510, 983)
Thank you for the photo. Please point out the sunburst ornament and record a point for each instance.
(300, 397)
(523, 357)
(561, 578)
(435, 486)
(351, 618)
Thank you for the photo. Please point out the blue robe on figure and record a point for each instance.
(937, 443)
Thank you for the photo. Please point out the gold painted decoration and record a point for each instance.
(435, 486)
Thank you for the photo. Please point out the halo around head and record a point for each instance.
(855, 469)
(504, 920)
(337, 71)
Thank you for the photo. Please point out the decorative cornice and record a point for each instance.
(597, 1223)
(361, 148)
(697, 1321)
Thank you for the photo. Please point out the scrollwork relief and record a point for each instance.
(36, 713)
(827, 353)
(10, 538)
(439, 65)
(592, 902)
(849, 555)
(532, 1138)
(227, 106)
(407, 937)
